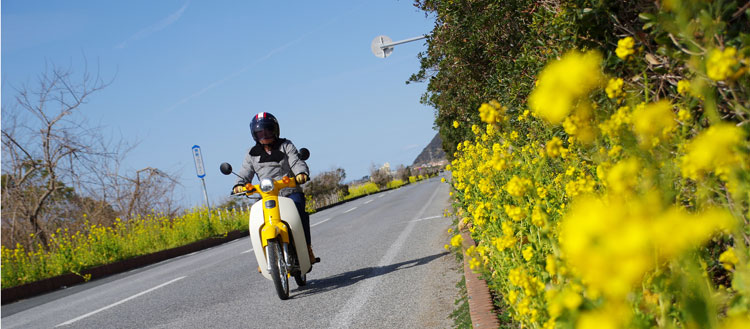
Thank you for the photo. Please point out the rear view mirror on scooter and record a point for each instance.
(225, 168)
(304, 154)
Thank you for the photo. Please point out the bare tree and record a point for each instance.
(327, 187)
(43, 143)
(403, 173)
(380, 176)
(58, 172)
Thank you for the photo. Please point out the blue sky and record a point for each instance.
(195, 72)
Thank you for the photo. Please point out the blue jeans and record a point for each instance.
(299, 201)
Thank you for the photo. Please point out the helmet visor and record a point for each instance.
(263, 133)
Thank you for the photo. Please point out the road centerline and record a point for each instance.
(118, 303)
(320, 222)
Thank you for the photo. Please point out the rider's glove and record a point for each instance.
(301, 178)
(239, 188)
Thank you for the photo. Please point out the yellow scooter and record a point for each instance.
(276, 233)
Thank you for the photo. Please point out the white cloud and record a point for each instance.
(409, 147)
(158, 26)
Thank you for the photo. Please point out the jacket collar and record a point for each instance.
(276, 154)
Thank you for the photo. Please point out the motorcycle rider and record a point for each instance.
(274, 157)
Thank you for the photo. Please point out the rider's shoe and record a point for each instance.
(313, 259)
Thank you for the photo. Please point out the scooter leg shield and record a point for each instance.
(290, 216)
(257, 221)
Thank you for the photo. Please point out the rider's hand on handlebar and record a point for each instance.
(301, 178)
(238, 189)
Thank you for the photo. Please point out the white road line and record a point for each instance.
(426, 218)
(368, 201)
(246, 251)
(382, 195)
(350, 210)
(365, 290)
(320, 222)
(118, 303)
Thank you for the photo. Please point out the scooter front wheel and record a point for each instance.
(278, 269)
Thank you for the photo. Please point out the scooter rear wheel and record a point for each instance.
(278, 269)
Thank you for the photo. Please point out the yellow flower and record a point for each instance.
(528, 253)
(562, 83)
(621, 117)
(736, 322)
(612, 244)
(475, 129)
(517, 186)
(614, 88)
(551, 266)
(538, 216)
(653, 122)
(683, 115)
(622, 178)
(474, 263)
(541, 192)
(714, 150)
(455, 124)
(719, 64)
(683, 87)
(728, 259)
(515, 213)
(578, 125)
(492, 112)
(625, 47)
(555, 148)
(457, 240)
(606, 318)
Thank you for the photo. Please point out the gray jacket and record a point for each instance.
(283, 161)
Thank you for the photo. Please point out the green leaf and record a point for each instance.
(646, 17)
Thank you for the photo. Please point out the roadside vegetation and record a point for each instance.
(73, 252)
(600, 156)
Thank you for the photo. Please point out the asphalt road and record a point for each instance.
(383, 266)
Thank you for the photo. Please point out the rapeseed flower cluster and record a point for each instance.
(720, 64)
(563, 83)
(653, 123)
(717, 150)
(614, 88)
(625, 47)
(492, 112)
(597, 224)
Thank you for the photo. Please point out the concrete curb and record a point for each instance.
(480, 302)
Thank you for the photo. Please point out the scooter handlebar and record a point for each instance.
(251, 189)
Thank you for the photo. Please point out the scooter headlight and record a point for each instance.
(266, 185)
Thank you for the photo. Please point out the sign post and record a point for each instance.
(198, 157)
